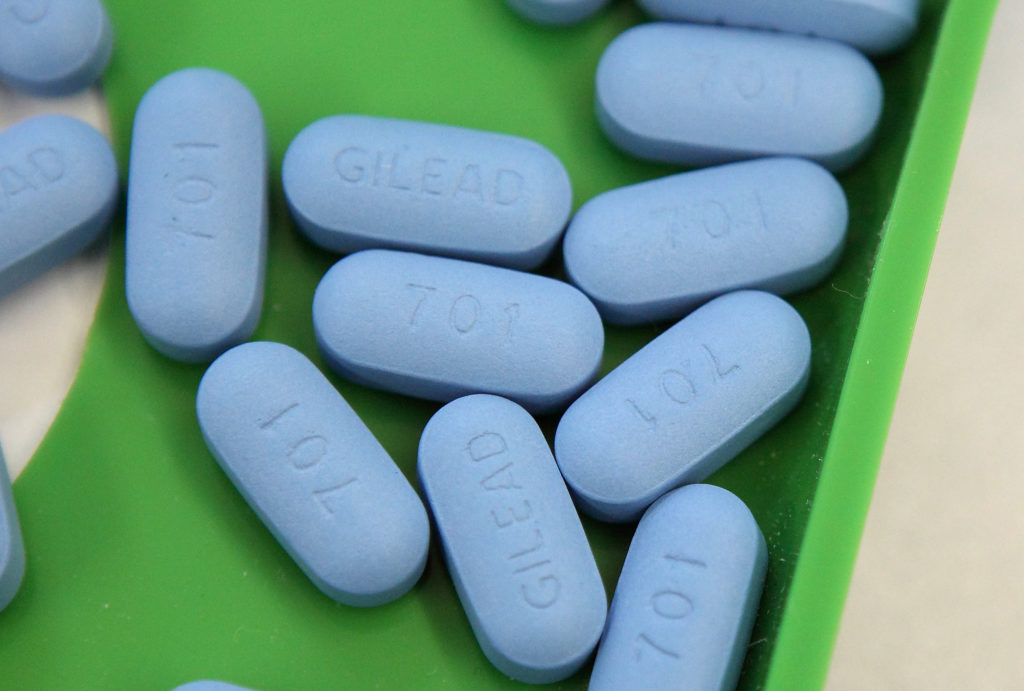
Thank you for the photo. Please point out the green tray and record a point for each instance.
(145, 567)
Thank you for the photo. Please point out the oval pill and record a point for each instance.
(58, 192)
(196, 237)
(684, 404)
(313, 473)
(702, 95)
(54, 47)
(207, 685)
(687, 596)
(513, 542)
(355, 182)
(556, 12)
(659, 249)
(440, 328)
(12, 549)
(873, 26)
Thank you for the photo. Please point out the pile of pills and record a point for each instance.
(440, 225)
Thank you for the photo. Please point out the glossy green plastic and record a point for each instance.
(145, 567)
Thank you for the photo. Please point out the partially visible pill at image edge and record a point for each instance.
(196, 235)
(684, 404)
(513, 542)
(12, 549)
(874, 26)
(356, 182)
(701, 95)
(441, 328)
(207, 685)
(686, 599)
(556, 12)
(54, 47)
(314, 473)
(58, 192)
(658, 249)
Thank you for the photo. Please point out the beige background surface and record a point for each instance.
(937, 600)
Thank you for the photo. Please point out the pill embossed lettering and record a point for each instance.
(685, 602)
(683, 405)
(355, 182)
(313, 473)
(195, 247)
(659, 249)
(58, 191)
(441, 328)
(701, 95)
(514, 545)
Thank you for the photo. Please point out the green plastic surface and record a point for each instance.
(145, 567)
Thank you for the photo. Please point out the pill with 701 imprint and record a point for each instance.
(441, 328)
(700, 95)
(685, 602)
(313, 473)
(684, 404)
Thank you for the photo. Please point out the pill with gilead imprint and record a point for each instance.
(355, 182)
(701, 95)
(686, 599)
(873, 26)
(313, 473)
(658, 249)
(58, 192)
(684, 404)
(196, 237)
(441, 328)
(54, 47)
(513, 542)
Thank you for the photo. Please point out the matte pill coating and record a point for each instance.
(313, 473)
(701, 95)
(12, 549)
(556, 12)
(196, 242)
(442, 328)
(53, 47)
(685, 602)
(659, 249)
(58, 191)
(684, 404)
(209, 686)
(514, 545)
(873, 26)
(355, 182)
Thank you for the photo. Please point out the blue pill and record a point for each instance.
(355, 182)
(873, 26)
(685, 602)
(196, 238)
(702, 95)
(12, 549)
(514, 545)
(441, 328)
(556, 12)
(659, 249)
(53, 47)
(58, 191)
(313, 473)
(207, 685)
(684, 404)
